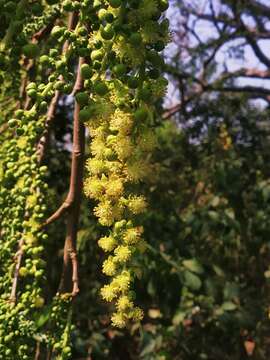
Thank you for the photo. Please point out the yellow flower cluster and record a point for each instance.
(122, 134)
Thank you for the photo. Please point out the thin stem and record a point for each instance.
(18, 259)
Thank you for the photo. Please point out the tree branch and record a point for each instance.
(257, 50)
(44, 140)
(18, 260)
(70, 264)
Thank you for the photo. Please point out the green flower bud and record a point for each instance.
(141, 114)
(100, 88)
(107, 32)
(163, 5)
(135, 39)
(85, 113)
(119, 69)
(102, 13)
(86, 71)
(97, 55)
(82, 98)
(57, 31)
(31, 50)
(12, 123)
(133, 82)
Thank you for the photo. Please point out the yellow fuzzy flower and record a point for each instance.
(124, 303)
(105, 212)
(123, 147)
(136, 314)
(118, 320)
(137, 204)
(114, 167)
(107, 243)
(121, 121)
(31, 201)
(122, 253)
(109, 267)
(98, 147)
(132, 235)
(123, 49)
(122, 282)
(94, 188)
(96, 166)
(114, 187)
(138, 170)
(108, 292)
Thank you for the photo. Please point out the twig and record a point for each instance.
(37, 354)
(18, 258)
(3, 128)
(60, 211)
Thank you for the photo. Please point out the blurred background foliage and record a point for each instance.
(205, 279)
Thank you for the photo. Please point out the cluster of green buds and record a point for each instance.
(124, 78)
(31, 79)
(23, 208)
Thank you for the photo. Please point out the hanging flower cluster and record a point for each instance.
(125, 81)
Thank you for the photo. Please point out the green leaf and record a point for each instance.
(213, 215)
(178, 318)
(151, 288)
(231, 290)
(215, 202)
(266, 193)
(43, 318)
(192, 281)
(148, 348)
(218, 271)
(228, 306)
(230, 213)
(194, 266)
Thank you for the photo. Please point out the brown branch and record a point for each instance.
(263, 9)
(3, 128)
(257, 50)
(44, 140)
(68, 202)
(60, 211)
(18, 261)
(70, 263)
(43, 32)
(257, 91)
(250, 37)
(225, 19)
(37, 352)
(247, 73)
(168, 113)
